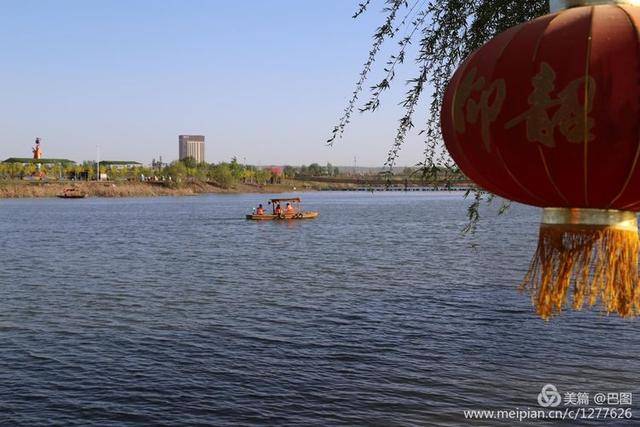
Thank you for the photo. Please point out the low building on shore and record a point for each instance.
(45, 162)
(119, 164)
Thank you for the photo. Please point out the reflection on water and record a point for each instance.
(178, 312)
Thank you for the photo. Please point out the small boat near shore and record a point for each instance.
(72, 193)
(279, 214)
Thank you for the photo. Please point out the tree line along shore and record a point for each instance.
(224, 174)
(183, 178)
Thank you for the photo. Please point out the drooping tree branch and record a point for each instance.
(446, 32)
(362, 8)
(386, 30)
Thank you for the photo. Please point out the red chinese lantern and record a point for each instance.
(548, 114)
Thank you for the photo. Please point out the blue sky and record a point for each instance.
(263, 80)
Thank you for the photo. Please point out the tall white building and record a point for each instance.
(191, 146)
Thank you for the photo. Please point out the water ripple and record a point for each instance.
(170, 312)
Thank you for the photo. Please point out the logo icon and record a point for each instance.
(549, 397)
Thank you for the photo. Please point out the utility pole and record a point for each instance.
(98, 162)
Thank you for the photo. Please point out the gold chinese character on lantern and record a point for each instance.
(571, 118)
(466, 109)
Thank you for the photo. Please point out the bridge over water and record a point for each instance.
(403, 188)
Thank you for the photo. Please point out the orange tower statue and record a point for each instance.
(37, 151)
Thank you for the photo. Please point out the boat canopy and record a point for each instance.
(295, 200)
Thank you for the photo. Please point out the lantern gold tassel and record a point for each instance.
(591, 254)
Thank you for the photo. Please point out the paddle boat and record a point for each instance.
(72, 193)
(278, 212)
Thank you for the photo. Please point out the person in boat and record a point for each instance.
(289, 209)
(260, 210)
(278, 210)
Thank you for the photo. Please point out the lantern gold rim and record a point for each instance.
(559, 5)
(613, 218)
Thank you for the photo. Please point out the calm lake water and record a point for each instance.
(175, 311)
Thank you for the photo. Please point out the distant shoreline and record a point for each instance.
(20, 189)
(110, 189)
